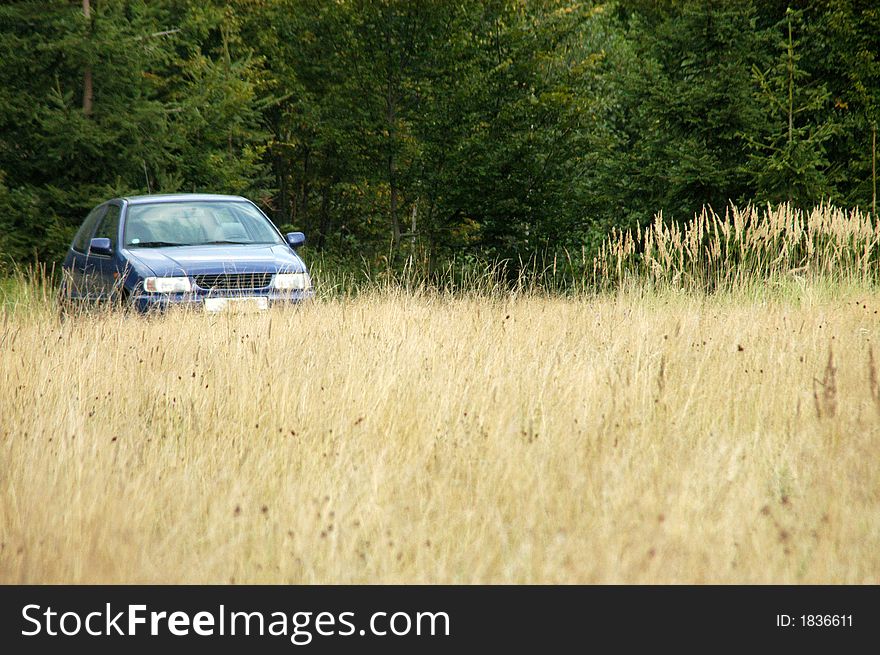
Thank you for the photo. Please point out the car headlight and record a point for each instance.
(167, 285)
(291, 281)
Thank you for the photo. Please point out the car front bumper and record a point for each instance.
(256, 300)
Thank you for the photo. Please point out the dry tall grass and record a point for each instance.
(408, 437)
(712, 252)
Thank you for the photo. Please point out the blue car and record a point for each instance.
(208, 252)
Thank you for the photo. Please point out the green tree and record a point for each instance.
(503, 122)
(789, 161)
(685, 107)
(128, 98)
(843, 37)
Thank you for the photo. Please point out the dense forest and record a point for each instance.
(434, 129)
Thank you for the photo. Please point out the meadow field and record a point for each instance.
(643, 434)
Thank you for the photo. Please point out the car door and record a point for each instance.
(105, 274)
(76, 264)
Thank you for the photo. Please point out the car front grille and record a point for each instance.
(233, 281)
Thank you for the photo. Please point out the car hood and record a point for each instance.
(213, 259)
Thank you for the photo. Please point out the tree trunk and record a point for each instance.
(324, 226)
(432, 246)
(391, 71)
(394, 202)
(790, 100)
(283, 214)
(391, 116)
(874, 170)
(790, 85)
(413, 226)
(88, 92)
(302, 213)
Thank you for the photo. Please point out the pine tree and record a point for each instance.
(128, 97)
(788, 162)
(684, 104)
(847, 35)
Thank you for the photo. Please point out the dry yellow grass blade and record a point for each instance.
(399, 438)
(711, 252)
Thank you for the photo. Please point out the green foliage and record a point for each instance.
(418, 133)
(789, 160)
(520, 127)
(174, 107)
(685, 101)
(18, 216)
(842, 38)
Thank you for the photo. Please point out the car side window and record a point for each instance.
(84, 234)
(108, 228)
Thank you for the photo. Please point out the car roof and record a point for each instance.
(181, 197)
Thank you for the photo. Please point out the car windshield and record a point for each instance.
(196, 224)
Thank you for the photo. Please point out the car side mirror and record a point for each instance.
(100, 246)
(296, 239)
